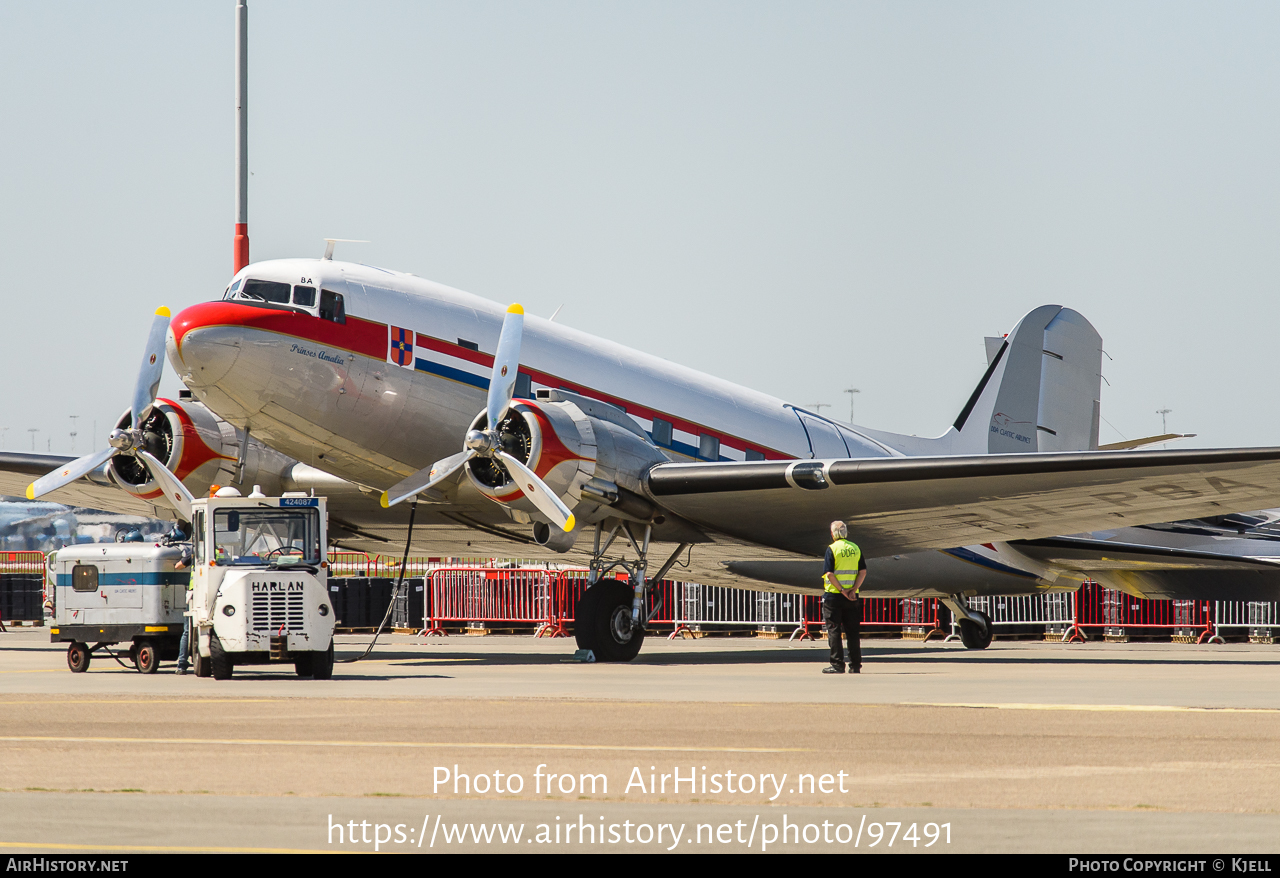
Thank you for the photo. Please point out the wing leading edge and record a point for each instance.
(899, 504)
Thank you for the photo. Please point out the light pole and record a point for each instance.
(851, 391)
(73, 433)
(819, 406)
(1164, 426)
(33, 431)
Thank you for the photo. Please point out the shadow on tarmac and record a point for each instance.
(807, 656)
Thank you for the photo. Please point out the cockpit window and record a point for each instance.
(233, 289)
(304, 296)
(332, 307)
(266, 291)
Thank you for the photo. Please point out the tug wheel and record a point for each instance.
(219, 662)
(78, 657)
(146, 657)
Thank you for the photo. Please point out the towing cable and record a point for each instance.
(395, 592)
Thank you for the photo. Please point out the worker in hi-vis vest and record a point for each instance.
(843, 573)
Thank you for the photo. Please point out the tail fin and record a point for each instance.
(1041, 392)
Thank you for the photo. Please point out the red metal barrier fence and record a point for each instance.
(1117, 613)
(464, 595)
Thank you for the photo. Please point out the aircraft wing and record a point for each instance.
(900, 504)
(18, 470)
(1162, 572)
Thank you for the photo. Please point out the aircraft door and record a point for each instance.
(824, 439)
(353, 371)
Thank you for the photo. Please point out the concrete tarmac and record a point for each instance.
(1038, 747)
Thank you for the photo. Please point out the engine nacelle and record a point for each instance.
(198, 447)
(589, 453)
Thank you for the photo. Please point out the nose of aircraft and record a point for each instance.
(203, 344)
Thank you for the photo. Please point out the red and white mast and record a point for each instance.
(240, 247)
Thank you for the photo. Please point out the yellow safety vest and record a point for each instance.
(847, 557)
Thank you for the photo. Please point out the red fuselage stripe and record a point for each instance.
(370, 338)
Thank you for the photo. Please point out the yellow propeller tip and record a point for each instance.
(162, 311)
(515, 309)
(385, 500)
(568, 525)
(31, 491)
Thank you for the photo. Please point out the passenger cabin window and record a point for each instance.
(331, 307)
(662, 432)
(265, 291)
(752, 454)
(708, 447)
(84, 577)
(524, 386)
(304, 296)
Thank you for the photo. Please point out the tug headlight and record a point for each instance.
(324, 609)
(228, 610)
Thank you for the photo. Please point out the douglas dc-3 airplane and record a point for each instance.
(520, 435)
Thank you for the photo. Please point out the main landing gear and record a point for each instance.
(975, 625)
(610, 617)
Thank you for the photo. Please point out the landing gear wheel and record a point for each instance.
(583, 631)
(78, 657)
(975, 636)
(219, 661)
(322, 664)
(146, 657)
(607, 620)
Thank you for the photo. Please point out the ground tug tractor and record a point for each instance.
(259, 584)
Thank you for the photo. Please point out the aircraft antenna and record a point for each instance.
(329, 242)
(240, 245)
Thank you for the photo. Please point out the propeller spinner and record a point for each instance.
(130, 441)
(488, 441)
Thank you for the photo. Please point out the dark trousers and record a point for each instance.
(839, 613)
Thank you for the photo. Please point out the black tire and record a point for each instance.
(146, 656)
(973, 635)
(302, 664)
(203, 667)
(608, 622)
(220, 664)
(78, 657)
(583, 631)
(322, 664)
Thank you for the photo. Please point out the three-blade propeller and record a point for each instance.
(130, 441)
(487, 442)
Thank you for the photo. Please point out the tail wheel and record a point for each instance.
(974, 635)
(146, 657)
(219, 662)
(78, 657)
(608, 621)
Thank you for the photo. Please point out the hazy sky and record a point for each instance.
(801, 197)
